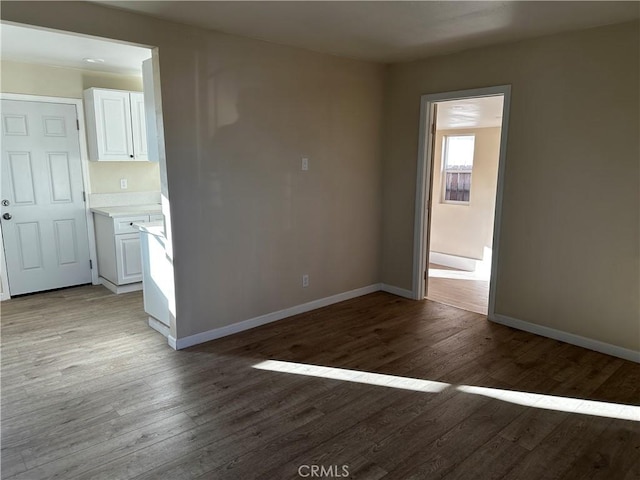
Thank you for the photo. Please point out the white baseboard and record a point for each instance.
(158, 326)
(180, 343)
(453, 261)
(4, 296)
(598, 346)
(567, 337)
(401, 292)
(117, 289)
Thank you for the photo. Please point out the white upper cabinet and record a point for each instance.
(115, 125)
(138, 126)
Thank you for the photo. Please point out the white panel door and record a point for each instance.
(138, 121)
(113, 124)
(43, 217)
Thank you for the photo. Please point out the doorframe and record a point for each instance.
(424, 187)
(86, 184)
(4, 295)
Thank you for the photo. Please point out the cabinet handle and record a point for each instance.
(131, 224)
(131, 156)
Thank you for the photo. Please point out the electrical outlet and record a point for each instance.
(123, 183)
(305, 280)
(305, 163)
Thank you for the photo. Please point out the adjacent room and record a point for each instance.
(98, 195)
(463, 198)
(368, 240)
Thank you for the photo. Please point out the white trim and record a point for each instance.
(158, 326)
(424, 188)
(23, 97)
(453, 261)
(180, 343)
(401, 292)
(118, 289)
(93, 252)
(5, 295)
(497, 218)
(84, 162)
(567, 337)
(420, 233)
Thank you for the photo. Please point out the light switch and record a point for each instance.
(123, 183)
(305, 163)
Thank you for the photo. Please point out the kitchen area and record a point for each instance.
(120, 180)
(129, 231)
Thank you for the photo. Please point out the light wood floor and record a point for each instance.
(467, 293)
(90, 392)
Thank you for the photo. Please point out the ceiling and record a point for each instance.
(470, 113)
(388, 31)
(31, 45)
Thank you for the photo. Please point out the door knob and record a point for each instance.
(7, 216)
(5, 203)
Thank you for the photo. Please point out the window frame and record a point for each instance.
(444, 170)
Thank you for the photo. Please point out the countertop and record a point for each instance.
(153, 228)
(128, 211)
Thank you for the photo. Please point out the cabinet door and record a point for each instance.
(139, 128)
(113, 125)
(128, 258)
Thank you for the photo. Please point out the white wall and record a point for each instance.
(465, 230)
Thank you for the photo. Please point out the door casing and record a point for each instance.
(84, 161)
(422, 221)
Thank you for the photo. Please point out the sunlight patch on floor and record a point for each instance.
(527, 399)
(356, 376)
(560, 404)
(456, 274)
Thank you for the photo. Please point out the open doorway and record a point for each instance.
(83, 164)
(458, 198)
(463, 185)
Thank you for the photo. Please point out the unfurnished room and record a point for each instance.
(330, 239)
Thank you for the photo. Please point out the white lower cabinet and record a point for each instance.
(118, 246)
(129, 268)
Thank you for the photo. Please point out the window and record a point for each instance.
(457, 163)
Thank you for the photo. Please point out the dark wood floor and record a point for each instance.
(90, 392)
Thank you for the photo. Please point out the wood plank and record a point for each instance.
(466, 292)
(90, 391)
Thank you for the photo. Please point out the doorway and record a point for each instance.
(459, 192)
(50, 171)
(120, 199)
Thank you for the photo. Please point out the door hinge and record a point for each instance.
(77, 124)
(425, 274)
(433, 128)
(90, 264)
(84, 197)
